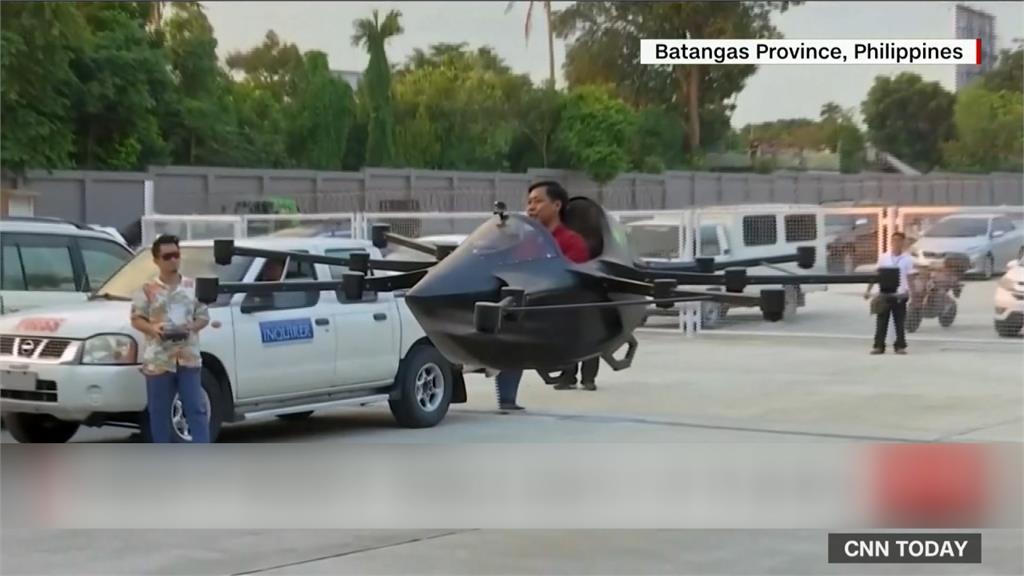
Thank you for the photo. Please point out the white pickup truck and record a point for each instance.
(283, 355)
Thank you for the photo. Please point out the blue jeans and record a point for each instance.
(507, 383)
(160, 390)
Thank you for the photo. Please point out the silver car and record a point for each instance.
(988, 240)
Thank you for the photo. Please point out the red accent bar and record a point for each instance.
(978, 51)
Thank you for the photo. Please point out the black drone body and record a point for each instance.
(506, 298)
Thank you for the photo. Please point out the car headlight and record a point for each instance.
(110, 349)
(1007, 283)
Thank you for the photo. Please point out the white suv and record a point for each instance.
(286, 354)
(46, 262)
(1009, 300)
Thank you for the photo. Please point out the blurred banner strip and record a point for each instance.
(514, 486)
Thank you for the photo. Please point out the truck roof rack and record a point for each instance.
(46, 220)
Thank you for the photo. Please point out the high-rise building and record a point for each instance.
(971, 23)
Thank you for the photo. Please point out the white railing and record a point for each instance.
(191, 227)
(421, 224)
(666, 234)
(339, 223)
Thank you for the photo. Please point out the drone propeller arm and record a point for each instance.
(225, 250)
(804, 258)
(411, 244)
(352, 285)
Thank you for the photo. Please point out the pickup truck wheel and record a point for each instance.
(39, 428)
(425, 384)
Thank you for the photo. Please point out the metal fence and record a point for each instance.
(117, 199)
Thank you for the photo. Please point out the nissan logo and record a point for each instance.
(27, 347)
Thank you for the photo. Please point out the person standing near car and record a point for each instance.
(166, 311)
(894, 305)
(546, 202)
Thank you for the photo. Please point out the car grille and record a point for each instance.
(33, 348)
(46, 391)
(934, 254)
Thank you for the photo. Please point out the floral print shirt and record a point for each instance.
(172, 307)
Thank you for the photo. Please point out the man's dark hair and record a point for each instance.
(899, 234)
(161, 240)
(555, 192)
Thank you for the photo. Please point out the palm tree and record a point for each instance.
(372, 33)
(551, 33)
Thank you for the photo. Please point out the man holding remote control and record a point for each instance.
(167, 312)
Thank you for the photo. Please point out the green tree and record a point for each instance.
(261, 123)
(831, 116)
(202, 129)
(262, 100)
(606, 43)
(456, 109)
(273, 66)
(655, 141)
(850, 143)
(124, 84)
(373, 34)
(989, 131)
(37, 43)
(322, 114)
(593, 132)
(1008, 73)
(909, 118)
(538, 118)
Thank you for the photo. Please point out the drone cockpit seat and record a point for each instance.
(586, 218)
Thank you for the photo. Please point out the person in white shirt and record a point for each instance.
(895, 304)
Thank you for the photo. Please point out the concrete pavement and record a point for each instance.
(726, 386)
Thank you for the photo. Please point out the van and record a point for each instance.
(737, 233)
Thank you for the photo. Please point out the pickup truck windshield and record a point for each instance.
(195, 262)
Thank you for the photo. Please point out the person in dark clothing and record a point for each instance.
(587, 371)
(546, 202)
(894, 305)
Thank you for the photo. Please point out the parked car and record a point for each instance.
(48, 262)
(285, 355)
(986, 239)
(1009, 300)
(855, 244)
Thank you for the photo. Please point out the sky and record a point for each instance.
(772, 93)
